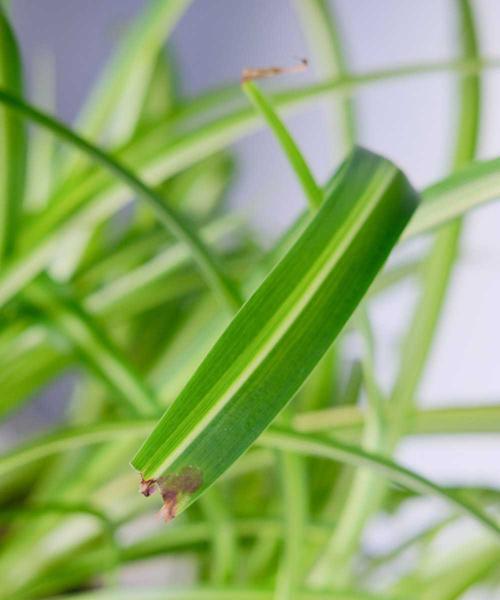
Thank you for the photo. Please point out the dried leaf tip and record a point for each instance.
(147, 486)
(173, 488)
(251, 73)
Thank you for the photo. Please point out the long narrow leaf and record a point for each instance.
(12, 142)
(42, 145)
(207, 262)
(95, 199)
(217, 593)
(115, 104)
(282, 331)
(302, 443)
(439, 265)
(311, 190)
(282, 439)
(452, 420)
(320, 27)
(94, 345)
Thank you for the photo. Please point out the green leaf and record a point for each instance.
(116, 102)
(469, 122)
(279, 335)
(294, 483)
(311, 190)
(42, 144)
(12, 141)
(159, 154)
(217, 593)
(455, 195)
(289, 440)
(438, 268)
(453, 420)
(91, 341)
(208, 263)
(313, 446)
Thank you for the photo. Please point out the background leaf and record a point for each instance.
(12, 142)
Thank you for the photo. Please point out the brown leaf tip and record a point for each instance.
(172, 488)
(252, 73)
(147, 486)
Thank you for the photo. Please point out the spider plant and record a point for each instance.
(211, 370)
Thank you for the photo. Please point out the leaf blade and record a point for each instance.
(288, 440)
(169, 218)
(97, 349)
(12, 141)
(302, 304)
(306, 179)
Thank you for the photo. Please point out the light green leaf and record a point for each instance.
(453, 420)
(289, 440)
(158, 155)
(279, 335)
(42, 145)
(311, 190)
(91, 341)
(438, 268)
(116, 102)
(226, 593)
(305, 444)
(320, 24)
(455, 195)
(208, 263)
(12, 141)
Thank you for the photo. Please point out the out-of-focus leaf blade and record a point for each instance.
(320, 25)
(158, 155)
(42, 144)
(477, 418)
(310, 188)
(305, 444)
(217, 593)
(283, 330)
(468, 188)
(94, 345)
(115, 104)
(12, 141)
(174, 222)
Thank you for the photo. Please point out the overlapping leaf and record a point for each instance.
(282, 331)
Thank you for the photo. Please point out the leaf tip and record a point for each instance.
(174, 488)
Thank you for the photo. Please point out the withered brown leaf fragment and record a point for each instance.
(172, 488)
(249, 74)
(169, 508)
(148, 486)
